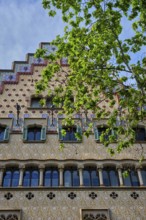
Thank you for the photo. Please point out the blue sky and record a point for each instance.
(23, 25)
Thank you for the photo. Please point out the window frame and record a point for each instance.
(6, 135)
(90, 170)
(108, 170)
(43, 131)
(137, 137)
(129, 178)
(52, 170)
(97, 133)
(78, 130)
(72, 179)
(30, 170)
(11, 178)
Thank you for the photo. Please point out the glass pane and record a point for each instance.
(127, 180)
(49, 103)
(47, 180)
(114, 178)
(67, 178)
(55, 178)
(35, 178)
(134, 178)
(102, 130)
(140, 134)
(7, 179)
(143, 173)
(30, 135)
(38, 135)
(86, 178)
(94, 178)
(15, 179)
(26, 178)
(35, 103)
(70, 134)
(2, 131)
(106, 180)
(76, 181)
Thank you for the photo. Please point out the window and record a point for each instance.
(4, 133)
(140, 134)
(31, 178)
(143, 173)
(99, 130)
(49, 102)
(11, 178)
(110, 177)
(71, 177)
(35, 103)
(70, 133)
(131, 179)
(51, 177)
(34, 133)
(90, 177)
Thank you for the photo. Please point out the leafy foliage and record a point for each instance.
(106, 65)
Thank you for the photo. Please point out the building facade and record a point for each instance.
(38, 181)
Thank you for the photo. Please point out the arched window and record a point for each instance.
(11, 178)
(90, 177)
(51, 177)
(34, 133)
(140, 134)
(131, 179)
(110, 177)
(31, 178)
(71, 177)
(143, 173)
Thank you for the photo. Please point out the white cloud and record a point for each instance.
(23, 25)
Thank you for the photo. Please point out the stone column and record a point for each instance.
(80, 168)
(1, 175)
(139, 176)
(99, 168)
(41, 176)
(61, 169)
(21, 169)
(119, 168)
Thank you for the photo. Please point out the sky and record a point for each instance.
(23, 25)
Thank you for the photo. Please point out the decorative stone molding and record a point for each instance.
(92, 214)
(9, 214)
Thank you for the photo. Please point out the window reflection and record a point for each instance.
(35, 103)
(131, 179)
(71, 177)
(31, 178)
(110, 177)
(140, 134)
(51, 177)
(2, 131)
(34, 134)
(90, 177)
(70, 134)
(11, 178)
(143, 173)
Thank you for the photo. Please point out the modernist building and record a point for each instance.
(81, 182)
